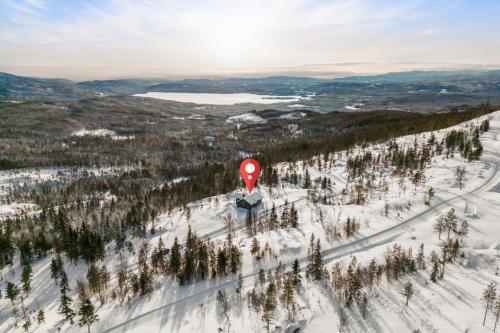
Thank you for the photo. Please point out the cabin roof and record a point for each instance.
(252, 199)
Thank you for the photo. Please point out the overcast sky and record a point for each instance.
(177, 38)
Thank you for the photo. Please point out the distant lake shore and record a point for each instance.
(220, 99)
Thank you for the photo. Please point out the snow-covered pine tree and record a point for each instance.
(296, 272)
(12, 292)
(273, 218)
(463, 231)
(26, 277)
(40, 317)
(87, 314)
(337, 279)
(285, 215)
(363, 305)
(269, 305)
(421, 257)
(372, 272)
(489, 295)
(439, 225)
(288, 297)
(158, 257)
(294, 216)
(408, 292)
(175, 258)
(496, 308)
(65, 304)
(450, 222)
(255, 249)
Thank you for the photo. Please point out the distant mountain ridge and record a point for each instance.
(45, 88)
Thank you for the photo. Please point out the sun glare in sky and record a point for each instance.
(111, 38)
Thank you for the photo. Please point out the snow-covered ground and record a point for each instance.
(102, 132)
(450, 305)
(246, 118)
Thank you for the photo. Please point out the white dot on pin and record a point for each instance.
(250, 168)
(249, 177)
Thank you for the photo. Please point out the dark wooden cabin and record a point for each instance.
(249, 201)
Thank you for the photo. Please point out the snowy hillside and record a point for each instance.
(362, 207)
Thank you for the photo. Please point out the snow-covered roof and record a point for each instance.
(252, 199)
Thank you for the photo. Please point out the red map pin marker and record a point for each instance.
(250, 170)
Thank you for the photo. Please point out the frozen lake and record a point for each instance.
(220, 99)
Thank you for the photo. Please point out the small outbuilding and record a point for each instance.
(249, 201)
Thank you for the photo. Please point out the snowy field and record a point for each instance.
(103, 133)
(453, 304)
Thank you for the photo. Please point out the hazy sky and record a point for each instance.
(119, 38)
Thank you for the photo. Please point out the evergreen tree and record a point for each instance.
(40, 317)
(307, 179)
(350, 285)
(93, 279)
(497, 310)
(175, 258)
(353, 280)
(145, 278)
(123, 278)
(293, 217)
(317, 262)
(87, 314)
(158, 257)
(454, 248)
(7, 249)
(255, 249)
(463, 231)
(363, 306)
(372, 272)
(221, 263)
(288, 297)
(439, 225)
(489, 295)
(273, 218)
(337, 278)
(142, 258)
(269, 305)
(408, 291)
(310, 257)
(239, 286)
(65, 303)
(421, 257)
(435, 271)
(55, 267)
(285, 215)
(234, 258)
(12, 291)
(26, 277)
(451, 222)
(444, 252)
(296, 272)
